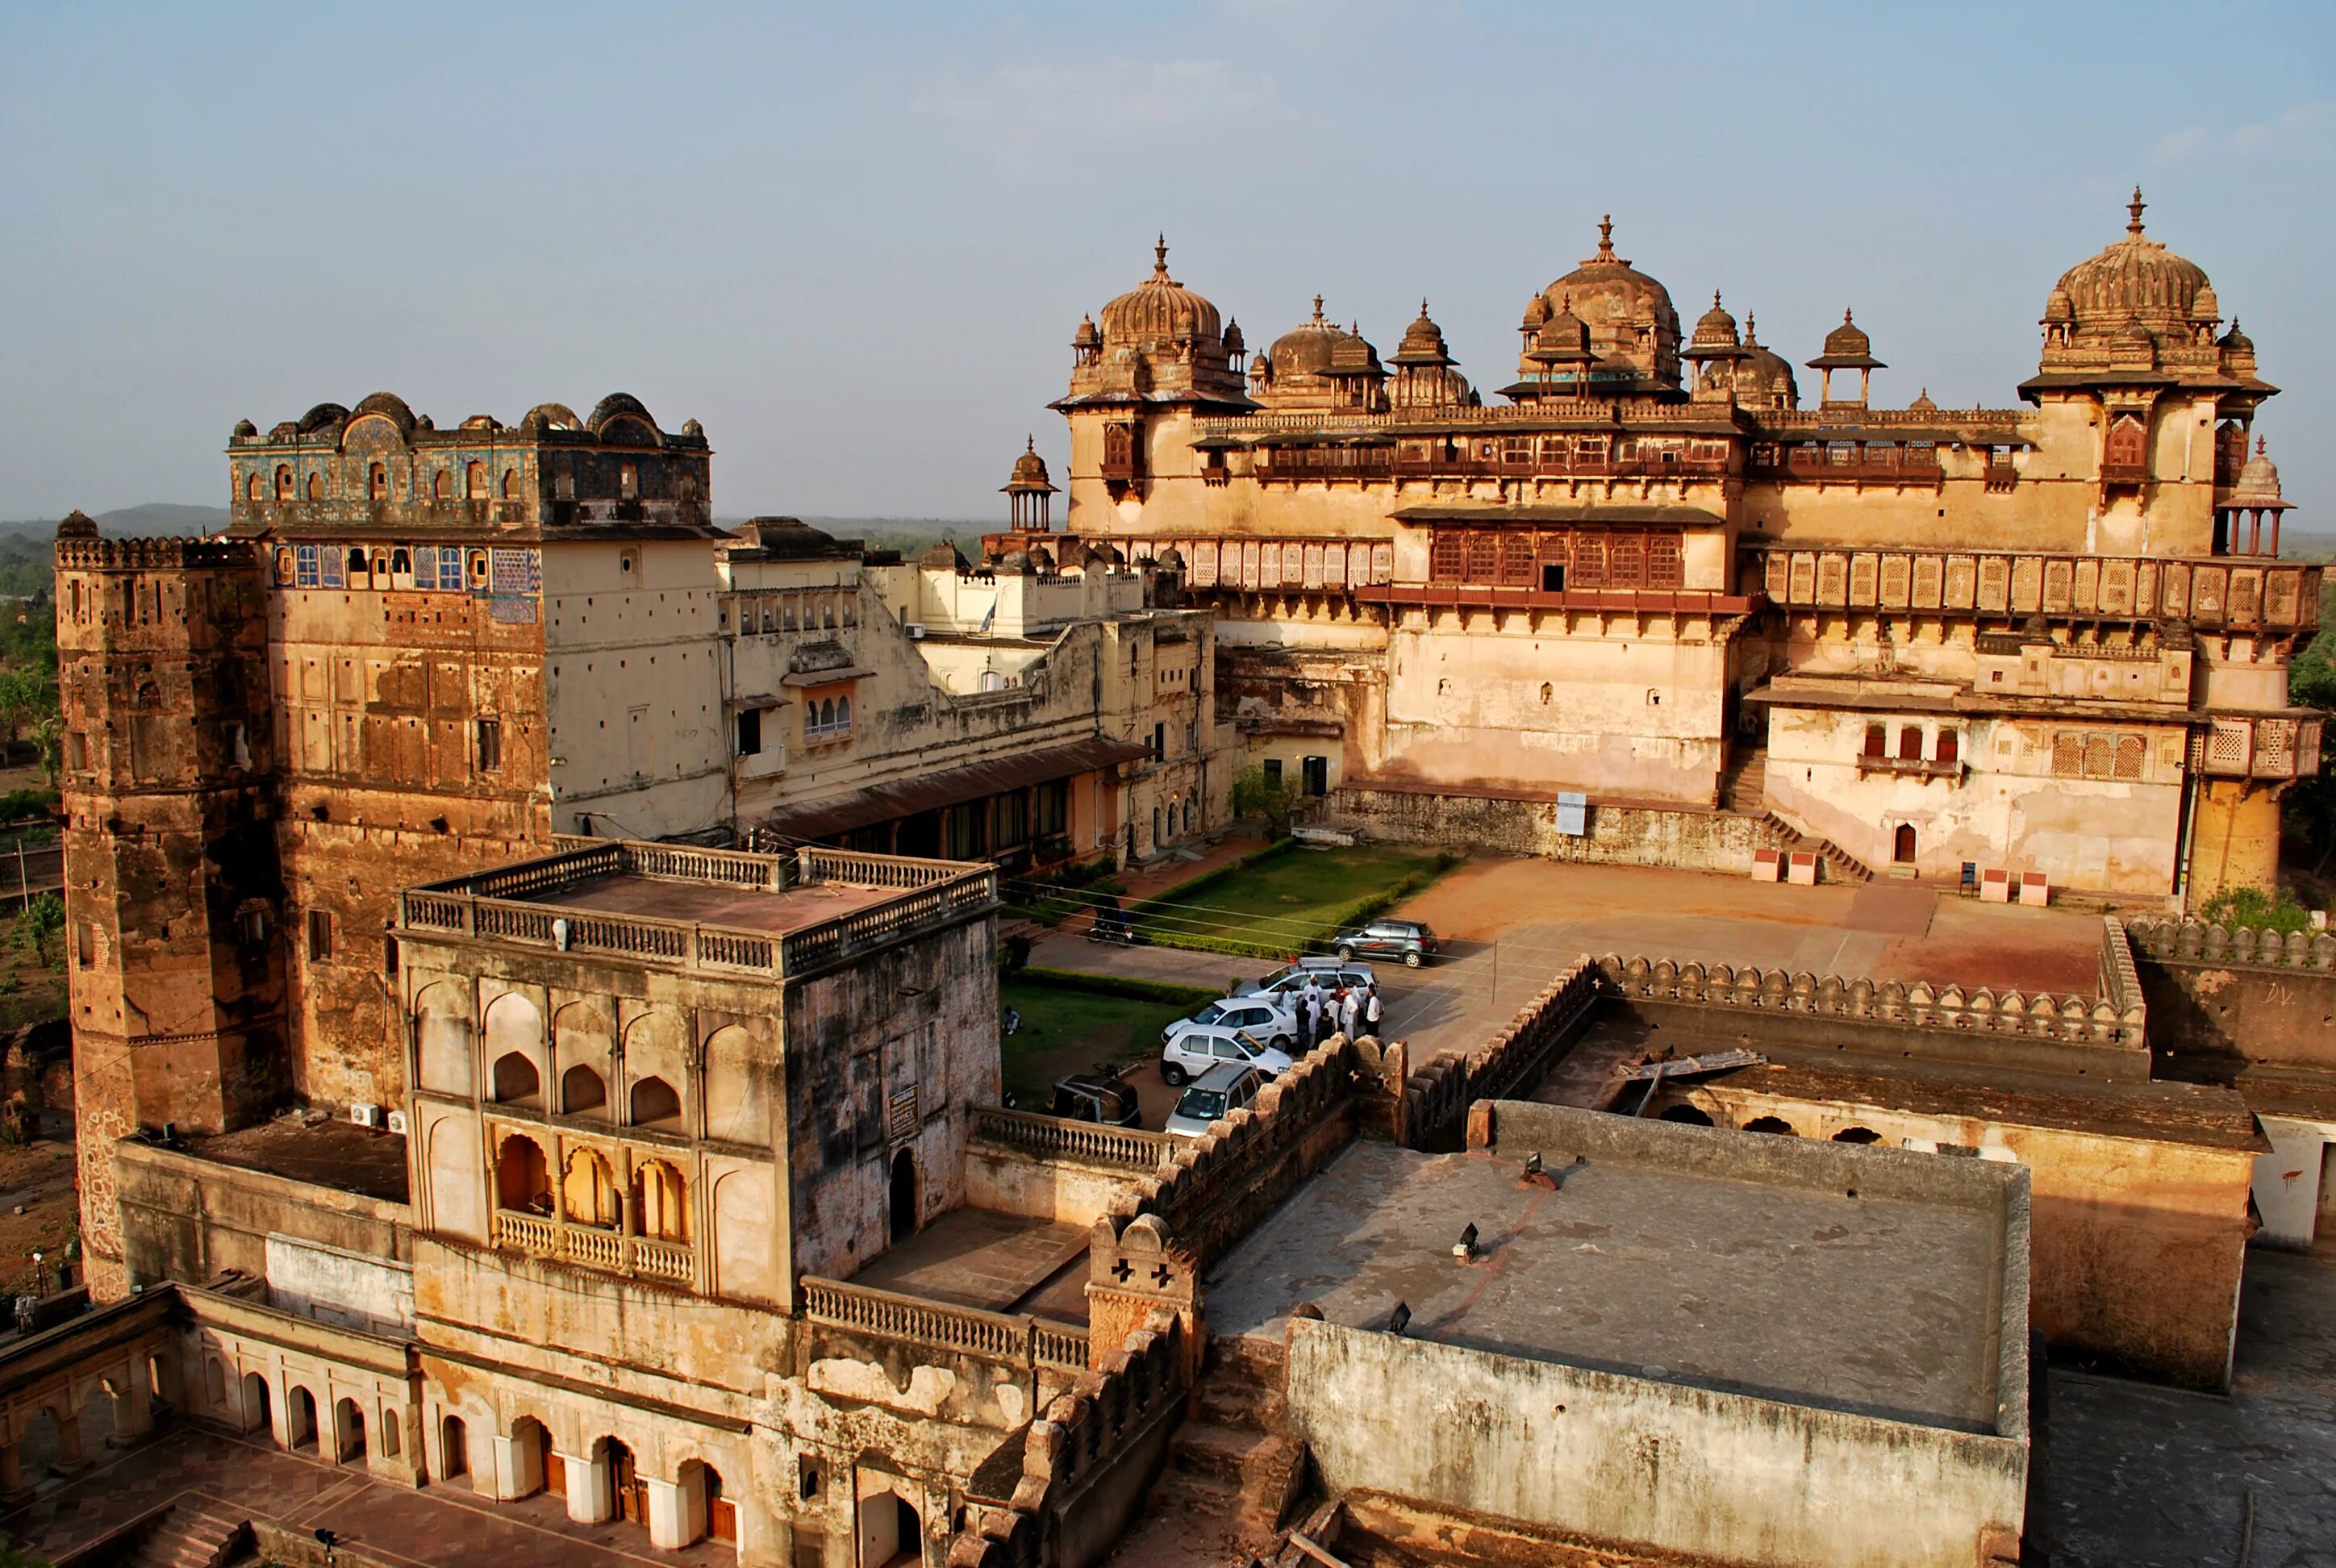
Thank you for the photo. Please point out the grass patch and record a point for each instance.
(1068, 1030)
(1282, 901)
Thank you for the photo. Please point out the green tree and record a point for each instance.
(1258, 794)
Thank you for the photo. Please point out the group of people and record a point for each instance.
(1353, 1011)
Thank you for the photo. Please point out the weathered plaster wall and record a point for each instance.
(1635, 1462)
(189, 1218)
(1698, 840)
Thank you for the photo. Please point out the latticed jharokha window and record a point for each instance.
(1483, 558)
(2128, 445)
(1663, 561)
(1517, 560)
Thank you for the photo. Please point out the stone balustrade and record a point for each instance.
(888, 1315)
(1050, 1137)
(593, 1247)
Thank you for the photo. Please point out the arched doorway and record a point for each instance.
(1685, 1117)
(891, 1533)
(539, 1469)
(904, 1195)
(629, 1495)
(1902, 850)
(257, 1414)
(1770, 1124)
(348, 1432)
(453, 1448)
(299, 1419)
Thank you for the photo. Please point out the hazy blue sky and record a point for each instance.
(854, 241)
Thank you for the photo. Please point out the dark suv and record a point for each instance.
(1409, 940)
(1097, 1097)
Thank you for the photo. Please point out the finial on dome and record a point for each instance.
(1030, 444)
(1846, 319)
(1751, 330)
(1317, 307)
(1422, 307)
(2133, 209)
(2259, 446)
(1606, 237)
(1715, 299)
(1159, 257)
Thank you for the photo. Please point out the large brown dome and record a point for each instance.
(1307, 348)
(1160, 311)
(1634, 329)
(2136, 278)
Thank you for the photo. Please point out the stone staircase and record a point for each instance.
(1744, 786)
(1230, 1478)
(197, 1533)
(1841, 866)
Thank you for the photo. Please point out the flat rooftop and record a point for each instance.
(993, 1262)
(791, 909)
(325, 1153)
(1884, 1306)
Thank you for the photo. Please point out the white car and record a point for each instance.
(1289, 986)
(1272, 1019)
(1191, 1049)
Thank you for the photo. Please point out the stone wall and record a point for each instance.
(184, 1217)
(1619, 833)
(1088, 1461)
(2246, 996)
(1050, 1169)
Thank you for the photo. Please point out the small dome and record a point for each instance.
(1715, 333)
(1014, 563)
(2238, 342)
(322, 416)
(1234, 342)
(1086, 336)
(615, 407)
(1354, 354)
(244, 429)
(2059, 307)
(2204, 306)
(2258, 485)
(691, 428)
(77, 525)
(1536, 312)
(555, 416)
(1764, 378)
(1160, 311)
(1423, 341)
(1029, 469)
(1309, 348)
(1564, 338)
(1260, 365)
(1846, 348)
(1923, 404)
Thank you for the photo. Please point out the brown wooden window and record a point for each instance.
(2128, 445)
(1483, 558)
(1446, 557)
(1663, 561)
(1909, 744)
(1877, 740)
(1589, 561)
(490, 745)
(1626, 561)
(1950, 746)
(1517, 560)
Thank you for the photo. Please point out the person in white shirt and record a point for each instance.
(1351, 1008)
(1371, 1011)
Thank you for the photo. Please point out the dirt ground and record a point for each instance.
(36, 1179)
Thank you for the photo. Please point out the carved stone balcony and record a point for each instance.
(593, 1247)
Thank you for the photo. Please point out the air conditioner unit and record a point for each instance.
(916, 630)
(397, 1123)
(365, 1116)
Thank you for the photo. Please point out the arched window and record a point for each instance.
(1858, 1135)
(1909, 743)
(1188, 816)
(1902, 845)
(660, 1201)
(522, 1180)
(516, 1082)
(1686, 1115)
(581, 1089)
(282, 482)
(1770, 1124)
(316, 487)
(251, 491)
(511, 484)
(474, 477)
(378, 482)
(356, 562)
(283, 562)
(588, 1190)
(654, 1104)
(442, 486)
(843, 712)
(1950, 746)
(401, 564)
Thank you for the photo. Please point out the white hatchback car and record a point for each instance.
(1246, 1031)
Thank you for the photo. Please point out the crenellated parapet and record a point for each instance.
(2201, 943)
(1506, 1065)
(2036, 1014)
(97, 554)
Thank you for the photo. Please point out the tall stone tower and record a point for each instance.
(173, 895)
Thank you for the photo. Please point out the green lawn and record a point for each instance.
(1069, 1031)
(1291, 899)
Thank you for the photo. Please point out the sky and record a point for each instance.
(854, 241)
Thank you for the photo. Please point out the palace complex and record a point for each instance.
(534, 963)
(2048, 638)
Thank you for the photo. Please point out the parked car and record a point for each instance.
(1409, 940)
(1327, 973)
(1273, 1020)
(1195, 1052)
(1101, 1096)
(1216, 1095)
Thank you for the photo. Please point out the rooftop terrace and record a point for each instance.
(1883, 1294)
(719, 910)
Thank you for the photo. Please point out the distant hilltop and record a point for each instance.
(154, 518)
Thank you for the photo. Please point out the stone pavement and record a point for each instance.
(443, 1524)
(2151, 1478)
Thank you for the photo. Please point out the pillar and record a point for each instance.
(589, 1500)
(133, 1409)
(68, 1455)
(518, 1469)
(669, 1515)
(12, 1471)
